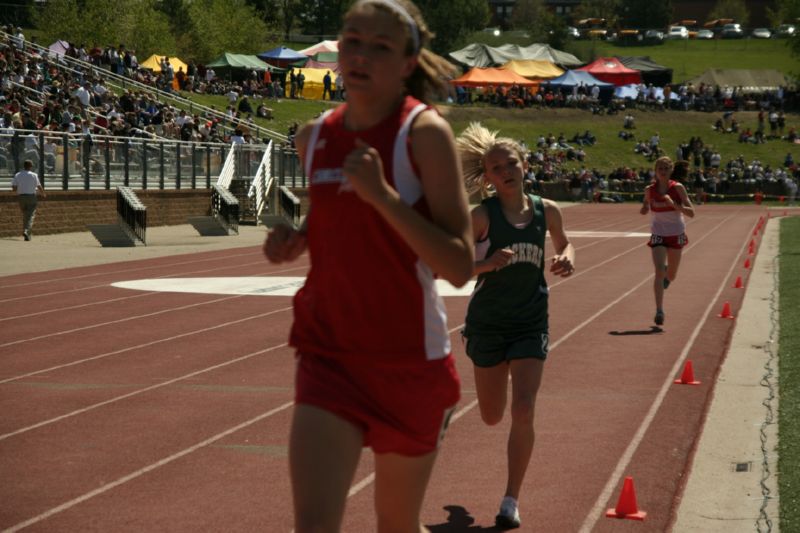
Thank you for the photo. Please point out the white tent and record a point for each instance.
(323, 46)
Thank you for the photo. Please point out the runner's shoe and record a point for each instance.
(508, 517)
(659, 318)
(666, 283)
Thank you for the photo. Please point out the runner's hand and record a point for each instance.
(500, 258)
(364, 170)
(560, 265)
(284, 243)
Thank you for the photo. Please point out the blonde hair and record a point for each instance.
(665, 160)
(473, 144)
(430, 78)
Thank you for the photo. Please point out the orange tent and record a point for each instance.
(483, 77)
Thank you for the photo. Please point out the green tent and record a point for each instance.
(243, 61)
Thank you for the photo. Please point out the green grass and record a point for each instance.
(674, 127)
(789, 376)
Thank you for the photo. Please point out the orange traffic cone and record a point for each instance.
(626, 505)
(687, 377)
(747, 263)
(738, 284)
(726, 311)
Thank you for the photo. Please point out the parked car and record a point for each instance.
(677, 32)
(785, 30)
(654, 36)
(732, 31)
(705, 34)
(761, 33)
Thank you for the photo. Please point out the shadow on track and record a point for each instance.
(651, 331)
(459, 521)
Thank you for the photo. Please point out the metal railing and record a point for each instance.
(132, 214)
(89, 162)
(289, 206)
(262, 183)
(225, 208)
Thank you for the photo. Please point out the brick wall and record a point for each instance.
(69, 211)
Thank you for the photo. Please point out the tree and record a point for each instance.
(453, 20)
(645, 13)
(731, 9)
(224, 25)
(785, 12)
(58, 19)
(321, 17)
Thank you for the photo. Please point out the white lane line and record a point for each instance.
(103, 285)
(144, 345)
(79, 306)
(119, 321)
(138, 392)
(133, 475)
(125, 270)
(599, 506)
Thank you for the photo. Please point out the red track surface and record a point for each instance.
(144, 411)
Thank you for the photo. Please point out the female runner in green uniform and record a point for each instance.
(506, 325)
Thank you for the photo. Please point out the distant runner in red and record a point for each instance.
(668, 202)
(388, 214)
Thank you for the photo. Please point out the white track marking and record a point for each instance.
(138, 392)
(144, 345)
(133, 475)
(79, 306)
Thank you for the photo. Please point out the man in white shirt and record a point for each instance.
(26, 184)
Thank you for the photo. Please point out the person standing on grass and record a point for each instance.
(506, 327)
(668, 202)
(27, 186)
(388, 214)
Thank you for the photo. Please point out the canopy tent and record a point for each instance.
(154, 63)
(652, 72)
(333, 67)
(243, 61)
(483, 77)
(534, 69)
(571, 78)
(282, 56)
(482, 55)
(748, 79)
(59, 48)
(323, 46)
(545, 52)
(313, 85)
(611, 70)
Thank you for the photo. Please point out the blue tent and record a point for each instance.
(282, 56)
(572, 78)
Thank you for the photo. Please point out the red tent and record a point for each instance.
(611, 70)
(483, 77)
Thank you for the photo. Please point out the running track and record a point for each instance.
(131, 410)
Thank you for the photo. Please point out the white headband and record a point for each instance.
(400, 10)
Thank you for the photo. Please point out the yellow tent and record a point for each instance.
(312, 85)
(534, 69)
(154, 63)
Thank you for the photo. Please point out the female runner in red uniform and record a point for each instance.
(668, 201)
(388, 212)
